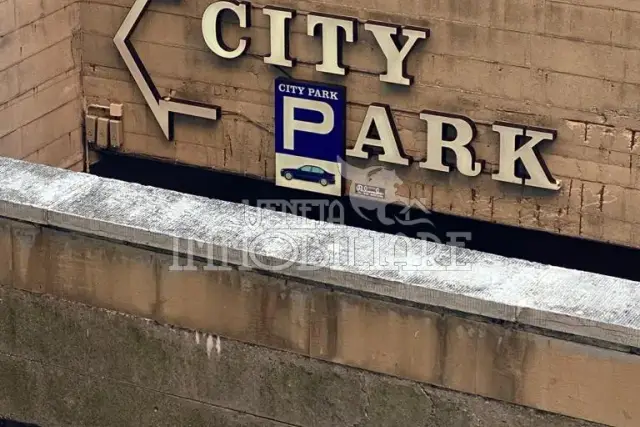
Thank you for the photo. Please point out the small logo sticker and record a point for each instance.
(375, 187)
(369, 191)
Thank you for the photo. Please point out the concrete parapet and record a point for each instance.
(549, 338)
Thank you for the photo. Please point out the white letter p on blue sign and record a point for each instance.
(291, 125)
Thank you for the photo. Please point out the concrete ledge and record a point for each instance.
(552, 298)
(363, 330)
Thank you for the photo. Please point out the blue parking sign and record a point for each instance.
(310, 133)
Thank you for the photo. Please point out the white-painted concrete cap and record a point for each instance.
(557, 299)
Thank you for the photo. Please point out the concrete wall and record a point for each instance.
(40, 95)
(569, 66)
(536, 336)
(566, 65)
(67, 364)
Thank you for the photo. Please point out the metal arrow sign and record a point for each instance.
(163, 108)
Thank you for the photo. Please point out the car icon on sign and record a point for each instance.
(309, 173)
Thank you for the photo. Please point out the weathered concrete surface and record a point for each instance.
(497, 361)
(67, 364)
(556, 299)
(566, 65)
(467, 330)
(40, 82)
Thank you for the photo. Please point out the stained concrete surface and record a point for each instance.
(67, 364)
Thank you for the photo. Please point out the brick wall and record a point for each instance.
(566, 65)
(40, 97)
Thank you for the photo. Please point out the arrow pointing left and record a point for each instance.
(163, 108)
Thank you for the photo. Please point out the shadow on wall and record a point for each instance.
(9, 423)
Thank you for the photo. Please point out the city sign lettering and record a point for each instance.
(334, 32)
(310, 117)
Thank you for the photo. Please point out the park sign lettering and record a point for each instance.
(310, 117)
(517, 143)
